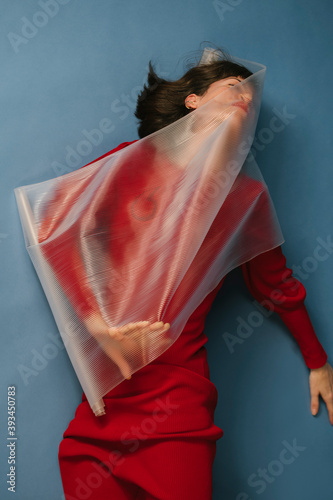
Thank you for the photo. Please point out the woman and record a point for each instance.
(157, 440)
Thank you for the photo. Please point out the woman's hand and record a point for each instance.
(114, 339)
(321, 383)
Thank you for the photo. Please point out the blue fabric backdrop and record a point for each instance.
(71, 71)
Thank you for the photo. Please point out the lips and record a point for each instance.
(241, 104)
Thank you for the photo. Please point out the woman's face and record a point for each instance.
(219, 88)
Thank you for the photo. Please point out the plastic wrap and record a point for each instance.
(145, 233)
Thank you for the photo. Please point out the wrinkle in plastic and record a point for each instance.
(147, 232)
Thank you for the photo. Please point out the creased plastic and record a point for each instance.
(147, 232)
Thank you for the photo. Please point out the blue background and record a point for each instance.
(87, 63)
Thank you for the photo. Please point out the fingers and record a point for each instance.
(115, 333)
(124, 368)
(314, 404)
(314, 392)
(119, 332)
(126, 335)
(314, 398)
(328, 398)
(157, 325)
(124, 339)
(160, 325)
(321, 384)
(119, 360)
(329, 404)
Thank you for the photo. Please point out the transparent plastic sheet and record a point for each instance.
(147, 232)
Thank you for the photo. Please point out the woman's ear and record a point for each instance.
(192, 101)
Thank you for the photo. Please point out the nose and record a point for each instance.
(246, 97)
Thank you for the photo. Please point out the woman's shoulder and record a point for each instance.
(118, 148)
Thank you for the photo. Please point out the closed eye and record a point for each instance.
(233, 84)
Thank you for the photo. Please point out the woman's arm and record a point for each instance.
(272, 284)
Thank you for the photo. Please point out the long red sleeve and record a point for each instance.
(273, 285)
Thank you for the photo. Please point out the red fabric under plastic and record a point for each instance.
(158, 432)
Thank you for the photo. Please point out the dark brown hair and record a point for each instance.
(162, 102)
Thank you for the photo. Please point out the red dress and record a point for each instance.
(157, 440)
